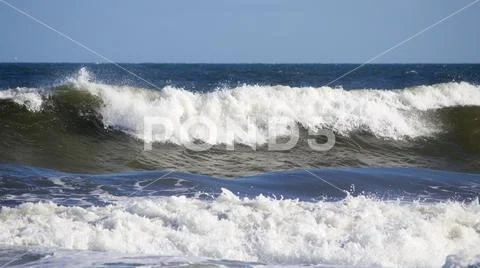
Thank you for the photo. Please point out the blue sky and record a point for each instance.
(249, 31)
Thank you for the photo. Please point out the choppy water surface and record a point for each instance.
(399, 188)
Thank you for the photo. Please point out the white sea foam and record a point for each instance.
(31, 98)
(386, 113)
(355, 231)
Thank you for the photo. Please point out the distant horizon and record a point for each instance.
(249, 63)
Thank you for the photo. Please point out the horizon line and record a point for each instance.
(239, 63)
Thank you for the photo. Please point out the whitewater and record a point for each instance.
(354, 231)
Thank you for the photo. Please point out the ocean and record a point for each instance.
(239, 165)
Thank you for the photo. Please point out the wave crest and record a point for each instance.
(31, 98)
(391, 114)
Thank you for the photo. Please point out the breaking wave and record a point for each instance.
(390, 114)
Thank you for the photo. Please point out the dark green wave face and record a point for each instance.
(462, 127)
(68, 133)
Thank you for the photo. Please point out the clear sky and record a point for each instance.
(248, 31)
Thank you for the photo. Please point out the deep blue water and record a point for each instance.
(73, 189)
(205, 77)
